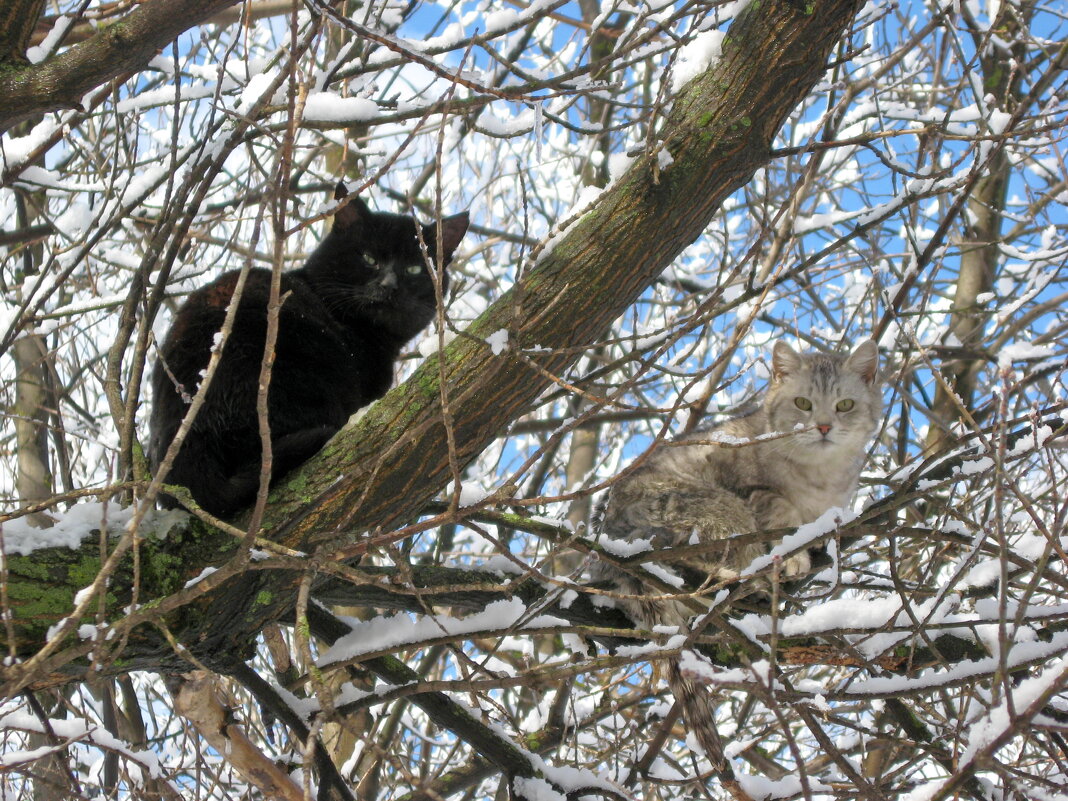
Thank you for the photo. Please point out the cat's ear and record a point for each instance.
(784, 361)
(352, 212)
(453, 229)
(864, 360)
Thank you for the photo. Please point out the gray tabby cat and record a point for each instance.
(826, 409)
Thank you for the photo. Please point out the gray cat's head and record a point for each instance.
(836, 398)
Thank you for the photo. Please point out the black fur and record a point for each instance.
(347, 313)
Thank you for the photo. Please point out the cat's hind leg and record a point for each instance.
(291, 450)
(200, 471)
(288, 452)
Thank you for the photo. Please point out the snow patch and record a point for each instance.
(383, 633)
(1021, 351)
(696, 56)
(533, 789)
(471, 492)
(38, 53)
(761, 789)
(623, 548)
(78, 731)
(71, 528)
(329, 107)
(498, 341)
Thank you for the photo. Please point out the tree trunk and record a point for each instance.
(33, 482)
(980, 258)
(34, 479)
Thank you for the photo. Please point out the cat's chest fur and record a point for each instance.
(736, 456)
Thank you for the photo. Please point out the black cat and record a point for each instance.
(363, 293)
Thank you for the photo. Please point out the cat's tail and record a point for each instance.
(699, 712)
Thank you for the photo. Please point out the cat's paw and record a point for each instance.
(721, 573)
(797, 565)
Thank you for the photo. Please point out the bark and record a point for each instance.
(378, 474)
(17, 20)
(258, 9)
(34, 479)
(198, 701)
(115, 50)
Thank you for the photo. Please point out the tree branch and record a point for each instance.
(115, 50)
(17, 21)
(198, 701)
(438, 706)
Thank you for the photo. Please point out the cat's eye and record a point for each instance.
(844, 405)
(370, 260)
(415, 269)
(804, 404)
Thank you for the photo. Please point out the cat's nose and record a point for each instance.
(824, 428)
(387, 279)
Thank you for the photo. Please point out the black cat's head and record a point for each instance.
(372, 265)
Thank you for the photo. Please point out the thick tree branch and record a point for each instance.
(117, 49)
(257, 9)
(17, 21)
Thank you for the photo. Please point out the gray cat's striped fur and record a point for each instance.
(827, 407)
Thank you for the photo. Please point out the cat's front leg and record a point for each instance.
(774, 511)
